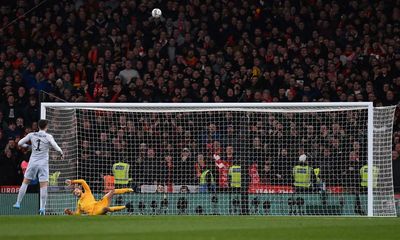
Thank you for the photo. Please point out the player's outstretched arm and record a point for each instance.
(23, 141)
(55, 145)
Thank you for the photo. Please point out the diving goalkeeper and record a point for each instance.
(87, 204)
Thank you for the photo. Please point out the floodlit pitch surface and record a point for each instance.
(196, 227)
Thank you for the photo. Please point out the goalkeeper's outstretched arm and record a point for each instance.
(79, 181)
(70, 212)
(78, 193)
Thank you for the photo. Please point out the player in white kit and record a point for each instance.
(38, 166)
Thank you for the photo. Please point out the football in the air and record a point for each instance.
(156, 13)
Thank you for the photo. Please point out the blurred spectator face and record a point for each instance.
(99, 79)
(230, 130)
(111, 75)
(293, 130)
(212, 128)
(389, 96)
(324, 130)
(168, 159)
(200, 160)
(256, 142)
(216, 146)
(12, 126)
(179, 130)
(371, 97)
(11, 144)
(369, 89)
(229, 150)
(356, 146)
(384, 71)
(335, 142)
(122, 98)
(284, 152)
(203, 91)
(113, 67)
(395, 155)
(343, 97)
(282, 92)
(85, 144)
(21, 91)
(353, 156)
(128, 64)
(10, 100)
(326, 152)
(267, 166)
(142, 147)
(187, 135)
(301, 151)
(120, 134)
(335, 128)
(310, 130)
(86, 124)
(185, 154)
(151, 153)
(103, 136)
(397, 147)
(386, 87)
(20, 122)
(122, 121)
(396, 140)
(8, 153)
(230, 92)
(67, 94)
(34, 126)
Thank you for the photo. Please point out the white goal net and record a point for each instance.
(222, 159)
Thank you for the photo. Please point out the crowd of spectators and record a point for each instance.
(199, 51)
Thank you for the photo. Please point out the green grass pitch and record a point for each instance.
(196, 227)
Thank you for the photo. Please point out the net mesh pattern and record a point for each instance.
(225, 160)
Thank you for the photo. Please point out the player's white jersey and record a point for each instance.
(40, 143)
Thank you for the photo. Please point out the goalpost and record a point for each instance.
(227, 158)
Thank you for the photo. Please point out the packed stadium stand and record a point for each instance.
(199, 51)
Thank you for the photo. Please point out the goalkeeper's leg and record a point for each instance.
(115, 208)
(108, 197)
(103, 206)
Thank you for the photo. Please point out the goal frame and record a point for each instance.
(243, 106)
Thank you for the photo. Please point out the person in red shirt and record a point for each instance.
(223, 164)
(191, 59)
(95, 90)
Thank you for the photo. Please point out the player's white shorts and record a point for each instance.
(37, 171)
